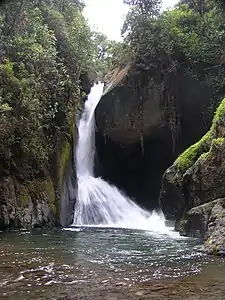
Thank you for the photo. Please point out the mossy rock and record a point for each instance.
(23, 197)
(219, 115)
(189, 156)
(197, 175)
(207, 142)
(218, 141)
(48, 187)
(64, 159)
(38, 187)
(66, 149)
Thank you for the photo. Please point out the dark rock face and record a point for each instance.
(191, 184)
(27, 206)
(206, 221)
(171, 198)
(201, 183)
(195, 221)
(68, 192)
(136, 169)
(136, 113)
(133, 103)
(129, 108)
(87, 80)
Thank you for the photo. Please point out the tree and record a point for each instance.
(141, 11)
(150, 8)
(45, 46)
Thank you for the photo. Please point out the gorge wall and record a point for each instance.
(48, 55)
(142, 126)
(34, 197)
(193, 188)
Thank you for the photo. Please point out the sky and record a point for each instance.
(107, 15)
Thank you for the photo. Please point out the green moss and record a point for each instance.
(220, 215)
(23, 197)
(189, 156)
(203, 147)
(211, 246)
(64, 158)
(71, 124)
(83, 94)
(204, 155)
(44, 186)
(217, 142)
(49, 188)
(220, 114)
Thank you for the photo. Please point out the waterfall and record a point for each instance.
(99, 203)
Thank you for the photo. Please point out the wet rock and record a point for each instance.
(215, 234)
(206, 221)
(195, 222)
(68, 191)
(136, 115)
(26, 206)
(129, 103)
(193, 188)
(158, 287)
(198, 174)
(171, 199)
(215, 244)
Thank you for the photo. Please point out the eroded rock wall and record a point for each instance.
(192, 185)
(148, 122)
(27, 206)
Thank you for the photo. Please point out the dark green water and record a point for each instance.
(102, 264)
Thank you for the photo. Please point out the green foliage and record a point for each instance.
(177, 47)
(181, 38)
(45, 46)
(146, 7)
(108, 54)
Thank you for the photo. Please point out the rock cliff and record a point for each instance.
(27, 206)
(142, 123)
(193, 188)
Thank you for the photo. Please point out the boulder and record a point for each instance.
(206, 221)
(142, 123)
(129, 108)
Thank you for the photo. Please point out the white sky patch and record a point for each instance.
(107, 16)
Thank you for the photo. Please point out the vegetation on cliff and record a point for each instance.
(46, 51)
(45, 47)
(193, 188)
(207, 142)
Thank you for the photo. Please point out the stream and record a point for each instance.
(106, 263)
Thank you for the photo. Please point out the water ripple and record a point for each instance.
(34, 261)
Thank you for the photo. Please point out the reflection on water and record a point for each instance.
(41, 265)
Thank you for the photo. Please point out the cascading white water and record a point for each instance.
(99, 203)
